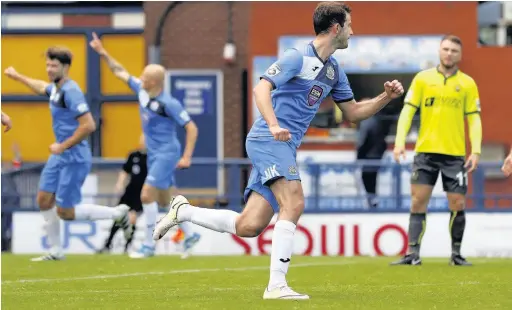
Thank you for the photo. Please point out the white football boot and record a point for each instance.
(170, 219)
(283, 292)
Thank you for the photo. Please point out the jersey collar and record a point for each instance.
(316, 54)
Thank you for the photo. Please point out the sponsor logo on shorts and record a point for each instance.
(271, 172)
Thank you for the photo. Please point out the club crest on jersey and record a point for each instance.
(273, 70)
(154, 106)
(315, 94)
(330, 73)
(457, 88)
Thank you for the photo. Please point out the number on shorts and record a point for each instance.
(463, 178)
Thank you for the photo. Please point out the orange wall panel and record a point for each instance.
(121, 129)
(32, 131)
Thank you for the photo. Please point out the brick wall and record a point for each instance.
(193, 38)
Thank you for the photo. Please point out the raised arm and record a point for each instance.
(116, 68)
(37, 86)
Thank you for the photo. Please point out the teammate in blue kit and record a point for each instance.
(160, 113)
(67, 168)
(301, 80)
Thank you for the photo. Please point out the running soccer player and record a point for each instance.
(70, 160)
(445, 96)
(134, 170)
(160, 113)
(288, 96)
(6, 121)
(507, 165)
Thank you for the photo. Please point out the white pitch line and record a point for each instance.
(156, 273)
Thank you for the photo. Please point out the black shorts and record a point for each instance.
(133, 202)
(426, 168)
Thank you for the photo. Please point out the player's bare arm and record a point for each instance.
(190, 144)
(116, 68)
(37, 86)
(121, 181)
(86, 126)
(6, 121)
(264, 103)
(358, 111)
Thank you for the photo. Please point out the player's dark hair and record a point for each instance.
(329, 13)
(452, 38)
(62, 54)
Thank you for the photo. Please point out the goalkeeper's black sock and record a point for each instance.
(113, 231)
(130, 239)
(417, 226)
(457, 226)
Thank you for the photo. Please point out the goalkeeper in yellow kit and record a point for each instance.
(445, 96)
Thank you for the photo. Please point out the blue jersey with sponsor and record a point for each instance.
(160, 115)
(67, 104)
(301, 81)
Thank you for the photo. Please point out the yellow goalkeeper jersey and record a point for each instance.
(443, 102)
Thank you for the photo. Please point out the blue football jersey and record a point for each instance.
(301, 81)
(66, 105)
(159, 116)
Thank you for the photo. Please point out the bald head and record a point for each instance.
(153, 77)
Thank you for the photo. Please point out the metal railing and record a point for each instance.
(328, 187)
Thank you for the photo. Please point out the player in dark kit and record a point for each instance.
(135, 168)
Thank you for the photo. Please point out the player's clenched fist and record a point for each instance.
(394, 89)
(11, 72)
(279, 133)
(399, 153)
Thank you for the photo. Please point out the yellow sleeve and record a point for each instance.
(472, 112)
(404, 124)
(475, 132)
(472, 104)
(415, 92)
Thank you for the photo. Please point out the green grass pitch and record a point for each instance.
(238, 282)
